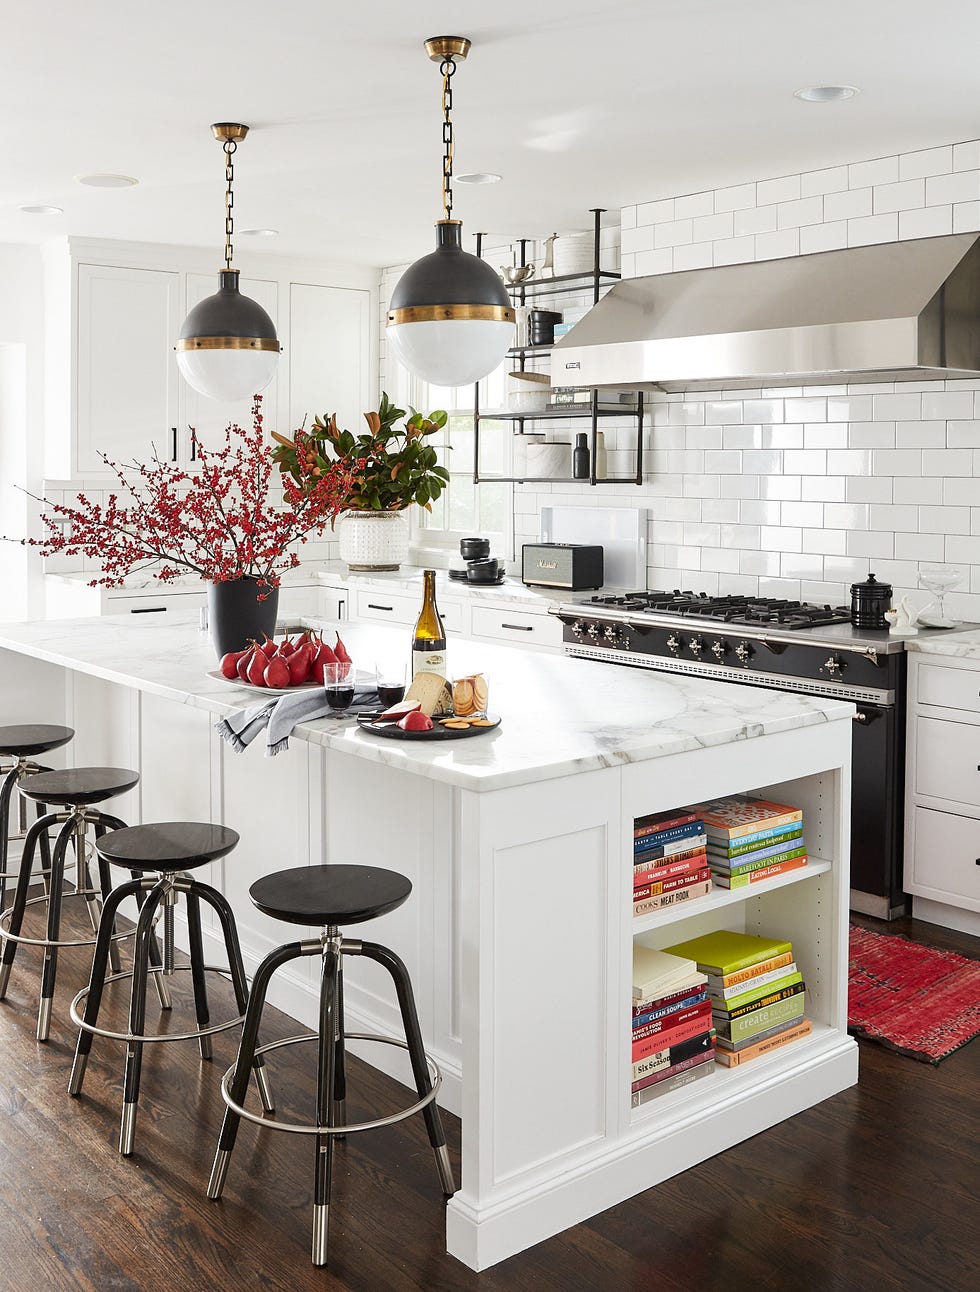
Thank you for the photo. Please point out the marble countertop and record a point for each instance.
(409, 580)
(559, 716)
(956, 645)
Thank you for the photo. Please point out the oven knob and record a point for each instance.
(833, 666)
(673, 644)
(694, 646)
(719, 648)
(611, 635)
(593, 630)
(577, 628)
(743, 653)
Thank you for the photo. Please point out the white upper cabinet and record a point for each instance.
(126, 371)
(209, 417)
(329, 355)
(112, 315)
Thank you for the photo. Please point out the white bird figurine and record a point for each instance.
(904, 618)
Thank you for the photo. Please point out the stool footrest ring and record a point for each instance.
(349, 1128)
(76, 1017)
(47, 942)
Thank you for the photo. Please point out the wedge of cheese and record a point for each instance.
(432, 692)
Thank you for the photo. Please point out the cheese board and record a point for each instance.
(439, 731)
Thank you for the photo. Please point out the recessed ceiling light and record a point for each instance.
(43, 210)
(107, 181)
(259, 233)
(479, 177)
(826, 93)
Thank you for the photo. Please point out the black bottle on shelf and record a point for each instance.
(580, 457)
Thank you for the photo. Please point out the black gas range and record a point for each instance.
(779, 645)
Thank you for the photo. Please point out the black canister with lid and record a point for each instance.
(869, 601)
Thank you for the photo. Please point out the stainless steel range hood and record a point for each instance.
(893, 312)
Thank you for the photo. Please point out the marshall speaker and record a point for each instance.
(571, 566)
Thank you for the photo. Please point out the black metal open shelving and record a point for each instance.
(596, 277)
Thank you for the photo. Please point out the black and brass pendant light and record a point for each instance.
(450, 320)
(228, 348)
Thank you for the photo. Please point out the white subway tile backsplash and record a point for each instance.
(872, 228)
(914, 489)
(892, 407)
(762, 461)
(927, 222)
(735, 198)
(883, 170)
(734, 251)
(919, 547)
(899, 197)
(805, 410)
(823, 237)
(868, 488)
(802, 513)
(785, 189)
(823, 488)
(846, 515)
(960, 493)
(853, 408)
(948, 404)
(944, 520)
(697, 256)
(783, 488)
(947, 462)
(966, 156)
(961, 186)
(825, 435)
(796, 565)
(722, 412)
(961, 550)
(849, 462)
(927, 161)
(871, 435)
(758, 563)
(723, 461)
(869, 544)
(848, 206)
(710, 227)
(920, 435)
(898, 462)
(966, 217)
(638, 239)
(758, 219)
(762, 410)
(693, 204)
(963, 435)
(831, 180)
(805, 462)
(825, 542)
(655, 212)
(774, 246)
(894, 516)
(653, 262)
(674, 233)
(805, 210)
(761, 511)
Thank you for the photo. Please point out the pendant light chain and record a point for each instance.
(448, 68)
(229, 147)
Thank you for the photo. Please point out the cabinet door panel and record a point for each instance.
(209, 417)
(329, 347)
(947, 760)
(127, 323)
(945, 858)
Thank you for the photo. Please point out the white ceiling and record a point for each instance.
(576, 105)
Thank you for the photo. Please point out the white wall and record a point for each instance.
(800, 492)
(21, 415)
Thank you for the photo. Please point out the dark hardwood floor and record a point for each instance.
(874, 1189)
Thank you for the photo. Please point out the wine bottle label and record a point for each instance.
(429, 661)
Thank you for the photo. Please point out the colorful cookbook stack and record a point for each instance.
(751, 840)
(755, 989)
(673, 1038)
(670, 861)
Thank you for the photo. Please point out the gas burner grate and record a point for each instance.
(750, 612)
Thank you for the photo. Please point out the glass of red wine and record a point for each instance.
(391, 683)
(338, 685)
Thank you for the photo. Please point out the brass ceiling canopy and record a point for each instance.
(440, 47)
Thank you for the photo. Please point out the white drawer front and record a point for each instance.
(945, 857)
(396, 608)
(947, 760)
(155, 603)
(953, 688)
(517, 627)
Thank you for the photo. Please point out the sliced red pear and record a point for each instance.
(416, 721)
(399, 711)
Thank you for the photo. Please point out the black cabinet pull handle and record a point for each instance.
(372, 606)
(148, 610)
(193, 445)
(173, 444)
(519, 628)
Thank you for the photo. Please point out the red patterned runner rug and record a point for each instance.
(917, 1000)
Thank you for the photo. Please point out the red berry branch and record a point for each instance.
(223, 521)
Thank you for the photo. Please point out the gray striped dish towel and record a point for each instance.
(280, 714)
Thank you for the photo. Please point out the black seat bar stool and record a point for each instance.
(75, 792)
(159, 855)
(329, 896)
(19, 746)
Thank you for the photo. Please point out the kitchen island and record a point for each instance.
(519, 844)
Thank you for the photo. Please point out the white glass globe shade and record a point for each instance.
(227, 375)
(448, 352)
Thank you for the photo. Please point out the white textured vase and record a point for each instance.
(373, 540)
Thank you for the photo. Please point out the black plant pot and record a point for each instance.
(236, 616)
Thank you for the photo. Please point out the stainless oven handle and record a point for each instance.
(859, 716)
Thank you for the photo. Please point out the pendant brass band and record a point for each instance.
(440, 313)
(228, 343)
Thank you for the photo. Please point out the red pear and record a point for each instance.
(241, 668)
(229, 663)
(299, 665)
(255, 673)
(276, 673)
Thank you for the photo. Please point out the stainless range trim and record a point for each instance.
(774, 681)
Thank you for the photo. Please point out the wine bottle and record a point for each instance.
(429, 640)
